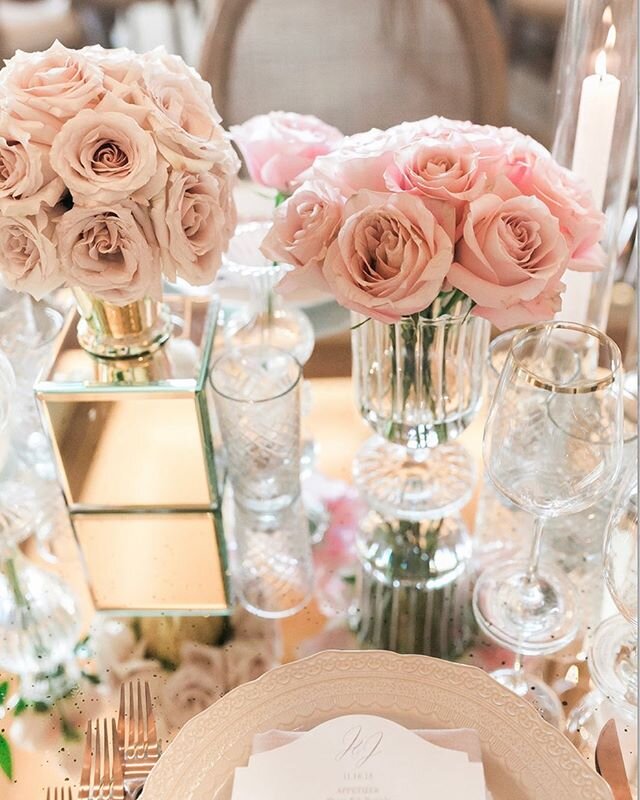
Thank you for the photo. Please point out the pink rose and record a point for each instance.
(569, 200)
(390, 258)
(280, 146)
(28, 258)
(27, 179)
(104, 157)
(43, 90)
(511, 258)
(194, 219)
(110, 251)
(120, 66)
(183, 119)
(360, 161)
(303, 228)
(448, 174)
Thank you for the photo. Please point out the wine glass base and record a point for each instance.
(532, 618)
(287, 329)
(414, 484)
(613, 661)
(536, 691)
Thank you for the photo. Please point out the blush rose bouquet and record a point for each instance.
(392, 221)
(114, 171)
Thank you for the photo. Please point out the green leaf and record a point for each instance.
(6, 763)
(4, 688)
(359, 324)
(20, 707)
(41, 708)
(94, 679)
(69, 733)
(281, 197)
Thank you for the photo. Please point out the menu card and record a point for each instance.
(360, 756)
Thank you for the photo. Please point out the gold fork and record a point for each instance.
(63, 794)
(102, 774)
(137, 735)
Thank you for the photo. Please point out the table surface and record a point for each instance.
(338, 429)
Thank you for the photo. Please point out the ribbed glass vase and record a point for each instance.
(418, 385)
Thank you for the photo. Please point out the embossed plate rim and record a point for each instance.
(183, 767)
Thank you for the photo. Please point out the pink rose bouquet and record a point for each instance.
(391, 221)
(114, 172)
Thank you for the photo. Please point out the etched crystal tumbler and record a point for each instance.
(257, 397)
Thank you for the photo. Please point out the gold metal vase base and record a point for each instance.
(107, 330)
(126, 406)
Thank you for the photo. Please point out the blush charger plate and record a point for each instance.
(524, 757)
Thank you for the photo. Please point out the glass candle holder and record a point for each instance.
(595, 130)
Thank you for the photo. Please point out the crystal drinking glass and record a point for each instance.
(257, 397)
(613, 656)
(614, 652)
(552, 446)
(273, 568)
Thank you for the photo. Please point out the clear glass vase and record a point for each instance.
(418, 385)
(413, 589)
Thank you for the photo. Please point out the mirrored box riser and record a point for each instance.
(133, 445)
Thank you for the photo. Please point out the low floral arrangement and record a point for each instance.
(189, 662)
(389, 221)
(114, 170)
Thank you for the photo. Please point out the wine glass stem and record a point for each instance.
(536, 547)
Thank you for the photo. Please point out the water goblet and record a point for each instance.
(552, 446)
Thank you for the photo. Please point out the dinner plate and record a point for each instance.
(524, 757)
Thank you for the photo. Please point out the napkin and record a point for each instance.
(464, 740)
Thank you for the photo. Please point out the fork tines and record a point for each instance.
(64, 793)
(102, 771)
(137, 730)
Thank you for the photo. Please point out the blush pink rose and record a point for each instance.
(43, 90)
(360, 161)
(194, 219)
(27, 179)
(28, 258)
(110, 251)
(569, 200)
(451, 173)
(121, 67)
(104, 157)
(182, 116)
(511, 258)
(303, 228)
(390, 258)
(278, 147)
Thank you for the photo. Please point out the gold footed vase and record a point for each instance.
(111, 331)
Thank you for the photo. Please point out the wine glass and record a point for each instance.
(613, 657)
(614, 652)
(552, 445)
